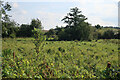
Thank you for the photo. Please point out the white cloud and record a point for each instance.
(107, 10)
(19, 15)
(15, 5)
(99, 12)
(97, 20)
(21, 19)
(24, 12)
(50, 20)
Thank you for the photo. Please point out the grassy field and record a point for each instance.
(58, 59)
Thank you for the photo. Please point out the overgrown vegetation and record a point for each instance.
(75, 59)
(78, 50)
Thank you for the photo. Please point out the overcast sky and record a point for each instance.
(50, 12)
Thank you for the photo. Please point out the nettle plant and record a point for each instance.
(39, 39)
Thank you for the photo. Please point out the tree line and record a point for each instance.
(12, 29)
(76, 29)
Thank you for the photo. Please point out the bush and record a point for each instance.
(109, 34)
(39, 39)
(13, 35)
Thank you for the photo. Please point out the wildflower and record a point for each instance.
(51, 64)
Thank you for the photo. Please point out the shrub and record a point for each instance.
(39, 39)
(13, 35)
(109, 34)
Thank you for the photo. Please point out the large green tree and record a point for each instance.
(4, 8)
(74, 18)
(35, 23)
(24, 31)
(76, 27)
(8, 26)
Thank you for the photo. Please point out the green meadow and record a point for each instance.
(59, 59)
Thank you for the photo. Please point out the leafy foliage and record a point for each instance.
(39, 39)
(4, 8)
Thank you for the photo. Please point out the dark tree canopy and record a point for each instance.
(77, 28)
(97, 26)
(109, 34)
(74, 18)
(36, 23)
(9, 28)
